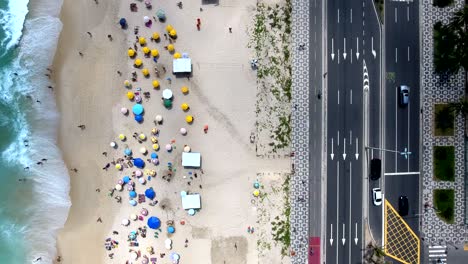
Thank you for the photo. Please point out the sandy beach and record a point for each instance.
(222, 95)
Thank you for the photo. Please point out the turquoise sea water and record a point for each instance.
(34, 202)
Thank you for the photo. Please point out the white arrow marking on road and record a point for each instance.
(333, 52)
(331, 235)
(357, 48)
(355, 237)
(344, 51)
(372, 44)
(343, 240)
(344, 146)
(357, 152)
(332, 154)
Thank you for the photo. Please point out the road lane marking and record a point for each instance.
(344, 148)
(350, 203)
(355, 237)
(338, 96)
(338, 138)
(408, 144)
(343, 239)
(351, 56)
(350, 136)
(351, 15)
(344, 50)
(331, 234)
(332, 50)
(357, 149)
(338, 15)
(402, 173)
(396, 55)
(407, 13)
(338, 56)
(372, 44)
(396, 15)
(408, 53)
(337, 204)
(357, 48)
(332, 155)
(396, 132)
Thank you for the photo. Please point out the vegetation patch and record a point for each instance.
(442, 3)
(444, 120)
(444, 203)
(444, 163)
(379, 4)
(281, 230)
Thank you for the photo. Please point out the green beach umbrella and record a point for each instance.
(161, 14)
(167, 103)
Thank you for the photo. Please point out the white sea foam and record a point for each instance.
(51, 182)
(12, 22)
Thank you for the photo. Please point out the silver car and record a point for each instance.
(377, 196)
(404, 95)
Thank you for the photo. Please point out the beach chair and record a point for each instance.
(141, 198)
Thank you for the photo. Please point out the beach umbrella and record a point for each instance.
(126, 179)
(125, 222)
(175, 257)
(167, 103)
(118, 187)
(142, 180)
(184, 106)
(170, 229)
(133, 217)
(154, 155)
(177, 55)
(161, 14)
(155, 84)
(132, 202)
(144, 211)
(145, 72)
(173, 33)
(123, 23)
(154, 140)
(134, 255)
(142, 40)
(118, 166)
(155, 36)
(124, 110)
(128, 152)
(155, 162)
(169, 27)
(256, 185)
(113, 144)
(132, 194)
(150, 250)
(189, 119)
(168, 243)
(184, 89)
(138, 118)
(137, 109)
(130, 95)
(150, 193)
(146, 19)
(127, 83)
(139, 163)
(121, 182)
(153, 172)
(130, 188)
(131, 53)
(138, 62)
(183, 131)
(122, 137)
(167, 94)
(170, 47)
(187, 149)
(154, 130)
(137, 98)
(154, 52)
(138, 173)
(142, 136)
(256, 193)
(191, 212)
(168, 147)
(146, 50)
(154, 222)
(143, 150)
(155, 146)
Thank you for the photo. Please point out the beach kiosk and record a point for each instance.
(182, 65)
(191, 159)
(191, 201)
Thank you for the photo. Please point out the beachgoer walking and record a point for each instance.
(81, 54)
(82, 127)
(39, 163)
(99, 220)
(48, 75)
(104, 153)
(96, 1)
(165, 36)
(90, 35)
(98, 190)
(201, 9)
(200, 186)
(164, 69)
(109, 37)
(230, 29)
(37, 101)
(50, 87)
(235, 246)
(26, 168)
(119, 73)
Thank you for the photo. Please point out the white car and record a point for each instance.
(377, 196)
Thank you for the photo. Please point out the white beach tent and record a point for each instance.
(182, 65)
(191, 159)
(191, 201)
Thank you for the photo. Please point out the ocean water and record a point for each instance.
(34, 202)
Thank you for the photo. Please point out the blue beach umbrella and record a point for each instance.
(132, 194)
(139, 163)
(137, 109)
(161, 14)
(128, 152)
(154, 155)
(133, 203)
(170, 229)
(126, 179)
(154, 222)
(150, 193)
(123, 22)
(139, 118)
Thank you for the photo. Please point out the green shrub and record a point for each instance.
(442, 3)
(444, 120)
(444, 163)
(444, 203)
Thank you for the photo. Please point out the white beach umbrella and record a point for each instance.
(167, 94)
(159, 118)
(133, 217)
(143, 150)
(134, 255)
(118, 187)
(187, 149)
(183, 131)
(146, 19)
(124, 110)
(125, 222)
(113, 144)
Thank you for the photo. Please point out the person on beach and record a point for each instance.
(39, 163)
(74, 170)
(90, 35)
(26, 168)
(230, 29)
(165, 36)
(109, 37)
(99, 220)
(37, 101)
(104, 153)
(50, 87)
(81, 54)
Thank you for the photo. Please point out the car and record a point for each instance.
(377, 196)
(404, 95)
(403, 205)
(375, 169)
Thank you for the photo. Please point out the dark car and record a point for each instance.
(375, 169)
(404, 95)
(403, 206)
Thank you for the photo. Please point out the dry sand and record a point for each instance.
(222, 95)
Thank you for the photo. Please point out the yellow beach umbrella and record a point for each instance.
(118, 166)
(189, 119)
(127, 83)
(256, 193)
(138, 62)
(184, 89)
(131, 52)
(154, 52)
(142, 41)
(145, 72)
(169, 28)
(130, 95)
(142, 136)
(154, 140)
(146, 50)
(173, 33)
(155, 146)
(184, 106)
(122, 137)
(177, 55)
(155, 36)
(154, 131)
(155, 84)
(170, 47)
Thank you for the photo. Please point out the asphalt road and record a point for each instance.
(352, 36)
(401, 124)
